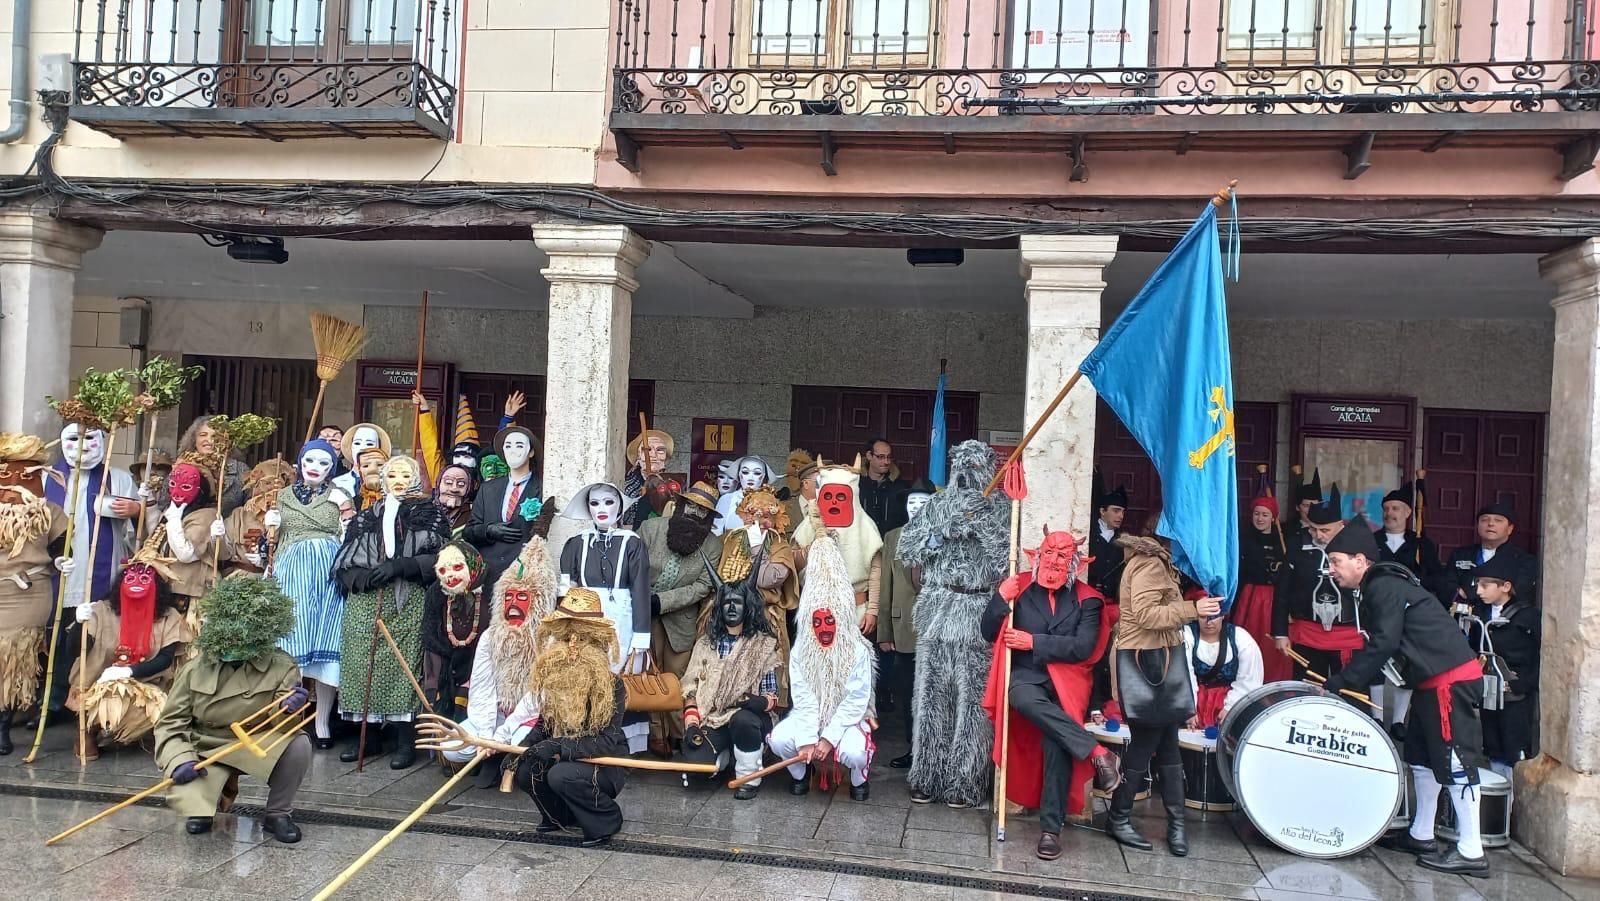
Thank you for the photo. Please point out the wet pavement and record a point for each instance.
(677, 842)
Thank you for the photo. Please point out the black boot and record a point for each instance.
(197, 825)
(5, 733)
(281, 826)
(405, 752)
(1119, 818)
(1172, 800)
(374, 745)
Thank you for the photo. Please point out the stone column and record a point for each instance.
(1557, 809)
(1064, 282)
(591, 275)
(39, 261)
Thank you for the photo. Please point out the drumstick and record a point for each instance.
(766, 771)
(1345, 691)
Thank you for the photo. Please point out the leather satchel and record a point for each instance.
(651, 691)
(1153, 685)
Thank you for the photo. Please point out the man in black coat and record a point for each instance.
(504, 510)
(1311, 614)
(882, 491)
(1496, 523)
(1105, 567)
(1444, 735)
(1397, 543)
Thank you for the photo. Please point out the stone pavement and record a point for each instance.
(676, 843)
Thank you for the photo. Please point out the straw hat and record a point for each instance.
(701, 495)
(579, 605)
(159, 459)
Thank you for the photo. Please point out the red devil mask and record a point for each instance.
(825, 627)
(518, 601)
(136, 600)
(184, 483)
(1052, 562)
(836, 503)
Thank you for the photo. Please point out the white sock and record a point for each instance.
(858, 775)
(1464, 798)
(1427, 808)
(325, 703)
(745, 763)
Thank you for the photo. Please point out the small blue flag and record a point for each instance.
(1165, 368)
(938, 453)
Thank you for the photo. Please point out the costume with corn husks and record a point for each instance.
(248, 535)
(32, 530)
(761, 540)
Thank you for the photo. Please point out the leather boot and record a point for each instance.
(5, 733)
(374, 745)
(405, 751)
(1172, 799)
(1119, 818)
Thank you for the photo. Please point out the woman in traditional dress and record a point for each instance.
(1261, 552)
(385, 566)
(309, 531)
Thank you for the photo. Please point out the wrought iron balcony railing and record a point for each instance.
(266, 68)
(995, 57)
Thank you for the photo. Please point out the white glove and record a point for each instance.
(253, 558)
(65, 565)
(144, 492)
(173, 513)
(113, 673)
(754, 534)
(219, 529)
(83, 612)
(272, 520)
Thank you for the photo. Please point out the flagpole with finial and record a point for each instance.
(1218, 200)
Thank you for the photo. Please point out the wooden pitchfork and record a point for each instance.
(270, 719)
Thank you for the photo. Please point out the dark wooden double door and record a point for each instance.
(487, 393)
(838, 422)
(1474, 458)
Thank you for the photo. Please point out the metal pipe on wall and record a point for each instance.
(21, 58)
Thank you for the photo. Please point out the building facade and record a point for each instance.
(766, 223)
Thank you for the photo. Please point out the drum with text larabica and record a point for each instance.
(1313, 774)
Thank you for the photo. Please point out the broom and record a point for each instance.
(337, 343)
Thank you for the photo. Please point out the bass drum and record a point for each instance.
(1314, 775)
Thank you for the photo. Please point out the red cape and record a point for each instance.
(1073, 682)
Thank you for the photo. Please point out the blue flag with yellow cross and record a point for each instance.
(1165, 368)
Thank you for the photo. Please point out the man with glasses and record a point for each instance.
(882, 490)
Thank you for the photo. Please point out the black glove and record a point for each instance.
(505, 532)
(755, 704)
(546, 752)
(381, 575)
(655, 604)
(784, 493)
(355, 581)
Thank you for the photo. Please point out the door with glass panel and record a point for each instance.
(320, 53)
(833, 57)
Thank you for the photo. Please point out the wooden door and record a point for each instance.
(281, 389)
(838, 422)
(487, 392)
(1474, 458)
(1122, 460)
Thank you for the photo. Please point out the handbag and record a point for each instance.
(651, 691)
(1153, 685)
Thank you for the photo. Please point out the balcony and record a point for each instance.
(1074, 75)
(274, 69)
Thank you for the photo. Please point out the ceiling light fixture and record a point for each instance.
(249, 249)
(935, 256)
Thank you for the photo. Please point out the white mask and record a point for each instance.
(914, 503)
(315, 466)
(727, 481)
(604, 508)
(752, 474)
(361, 439)
(467, 460)
(516, 450)
(85, 453)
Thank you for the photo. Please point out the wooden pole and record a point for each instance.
(61, 611)
(366, 698)
(766, 771)
(404, 665)
(1005, 685)
(149, 463)
(225, 448)
(1033, 430)
(316, 410)
(88, 597)
(422, 342)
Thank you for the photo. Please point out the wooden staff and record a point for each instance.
(224, 448)
(1319, 679)
(410, 674)
(366, 698)
(61, 611)
(149, 463)
(767, 771)
(1017, 488)
(88, 597)
(422, 342)
(437, 731)
(273, 719)
(1220, 198)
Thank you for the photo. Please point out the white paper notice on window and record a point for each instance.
(1100, 34)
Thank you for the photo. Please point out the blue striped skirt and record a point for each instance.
(304, 571)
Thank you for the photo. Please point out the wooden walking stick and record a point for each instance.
(1016, 488)
(416, 420)
(1219, 199)
(366, 698)
(61, 612)
(337, 343)
(440, 733)
(767, 771)
(149, 464)
(404, 664)
(270, 718)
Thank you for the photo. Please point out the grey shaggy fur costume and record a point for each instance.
(960, 541)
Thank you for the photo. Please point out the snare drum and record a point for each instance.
(1202, 783)
(1314, 775)
(1494, 811)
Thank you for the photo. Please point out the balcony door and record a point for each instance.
(319, 52)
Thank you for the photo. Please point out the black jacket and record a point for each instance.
(1067, 635)
(1463, 560)
(1403, 622)
(1418, 554)
(1261, 556)
(488, 509)
(1517, 639)
(1299, 579)
(885, 502)
(608, 742)
(1105, 570)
